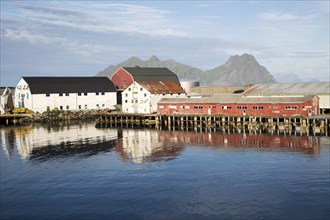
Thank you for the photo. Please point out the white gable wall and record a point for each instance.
(136, 99)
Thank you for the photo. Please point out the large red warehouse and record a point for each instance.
(236, 105)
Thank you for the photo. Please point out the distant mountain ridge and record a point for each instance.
(236, 71)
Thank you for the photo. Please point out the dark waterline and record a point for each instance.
(81, 172)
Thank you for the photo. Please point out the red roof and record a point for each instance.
(161, 87)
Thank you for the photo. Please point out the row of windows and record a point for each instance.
(126, 94)
(238, 107)
(23, 96)
(79, 94)
(79, 107)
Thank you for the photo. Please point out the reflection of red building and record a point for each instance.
(236, 105)
(264, 141)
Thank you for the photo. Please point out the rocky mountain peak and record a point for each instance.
(238, 70)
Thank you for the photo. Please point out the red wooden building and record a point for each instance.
(125, 76)
(236, 105)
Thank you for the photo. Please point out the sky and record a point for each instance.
(81, 38)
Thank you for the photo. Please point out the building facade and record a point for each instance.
(65, 93)
(232, 105)
(288, 90)
(142, 97)
(6, 99)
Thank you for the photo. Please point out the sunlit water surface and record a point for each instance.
(81, 172)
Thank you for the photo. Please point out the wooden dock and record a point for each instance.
(304, 125)
(12, 119)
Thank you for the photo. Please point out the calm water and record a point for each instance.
(81, 172)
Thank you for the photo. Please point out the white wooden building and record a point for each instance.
(65, 93)
(6, 99)
(142, 97)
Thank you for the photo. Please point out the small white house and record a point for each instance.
(6, 99)
(65, 93)
(142, 97)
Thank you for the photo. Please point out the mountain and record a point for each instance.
(238, 71)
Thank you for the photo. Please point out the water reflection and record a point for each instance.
(45, 141)
(306, 144)
(39, 143)
(143, 145)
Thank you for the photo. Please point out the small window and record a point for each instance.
(67, 107)
(67, 94)
(61, 107)
(103, 105)
(129, 89)
(145, 94)
(85, 93)
(126, 101)
(136, 101)
(79, 106)
(97, 106)
(141, 89)
(48, 108)
(96, 93)
(102, 93)
(126, 94)
(61, 94)
(85, 106)
(79, 94)
(47, 94)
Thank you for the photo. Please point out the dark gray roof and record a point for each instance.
(42, 85)
(152, 74)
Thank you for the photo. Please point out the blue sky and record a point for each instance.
(81, 38)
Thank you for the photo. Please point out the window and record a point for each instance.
(103, 105)
(102, 93)
(85, 93)
(226, 107)
(61, 94)
(145, 94)
(291, 107)
(79, 106)
(126, 101)
(198, 107)
(96, 93)
(136, 101)
(47, 94)
(79, 94)
(141, 89)
(27, 95)
(85, 106)
(126, 94)
(129, 89)
(97, 106)
(67, 107)
(257, 107)
(61, 107)
(48, 108)
(241, 107)
(67, 94)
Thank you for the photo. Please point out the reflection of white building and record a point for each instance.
(31, 137)
(139, 144)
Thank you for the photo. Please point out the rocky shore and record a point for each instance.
(61, 116)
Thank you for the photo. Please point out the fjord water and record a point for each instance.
(82, 172)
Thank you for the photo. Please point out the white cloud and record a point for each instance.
(278, 16)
